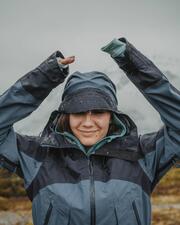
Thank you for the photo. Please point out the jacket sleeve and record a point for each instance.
(19, 101)
(160, 148)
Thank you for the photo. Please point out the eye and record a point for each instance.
(98, 112)
(79, 114)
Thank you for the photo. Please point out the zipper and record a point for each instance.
(136, 213)
(48, 214)
(92, 192)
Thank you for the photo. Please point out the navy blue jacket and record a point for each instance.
(113, 184)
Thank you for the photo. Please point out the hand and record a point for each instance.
(67, 60)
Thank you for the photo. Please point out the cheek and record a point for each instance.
(73, 122)
(104, 124)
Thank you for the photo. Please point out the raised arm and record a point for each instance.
(162, 147)
(22, 98)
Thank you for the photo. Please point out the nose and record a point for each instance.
(88, 119)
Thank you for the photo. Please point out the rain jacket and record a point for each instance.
(112, 183)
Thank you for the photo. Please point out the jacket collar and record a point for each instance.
(113, 146)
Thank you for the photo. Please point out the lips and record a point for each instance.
(88, 131)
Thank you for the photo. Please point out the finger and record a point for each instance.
(72, 58)
(68, 60)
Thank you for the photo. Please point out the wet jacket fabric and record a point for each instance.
(96, 80)
(88, 91)
(111, 184)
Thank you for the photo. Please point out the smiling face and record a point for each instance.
(90, 127)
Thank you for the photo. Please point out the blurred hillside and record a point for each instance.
(12, 186)
(16, 208)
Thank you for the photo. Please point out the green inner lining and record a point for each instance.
(88, 151)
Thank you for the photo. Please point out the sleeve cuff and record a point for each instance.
(115, 48)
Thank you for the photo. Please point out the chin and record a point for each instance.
(88, 143)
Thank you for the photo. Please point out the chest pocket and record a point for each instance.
(57, 213)
(50, 209)
(127, 212)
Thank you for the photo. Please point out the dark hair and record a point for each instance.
(63, 125)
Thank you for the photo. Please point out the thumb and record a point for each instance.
(67, 60)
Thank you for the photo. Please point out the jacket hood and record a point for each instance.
(84, 92)
(88, 91)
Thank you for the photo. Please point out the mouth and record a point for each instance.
(88, 131)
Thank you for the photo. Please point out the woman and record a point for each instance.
(90, 166)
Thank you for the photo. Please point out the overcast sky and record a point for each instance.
(32, 30)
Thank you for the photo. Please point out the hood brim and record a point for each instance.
(87, 99)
